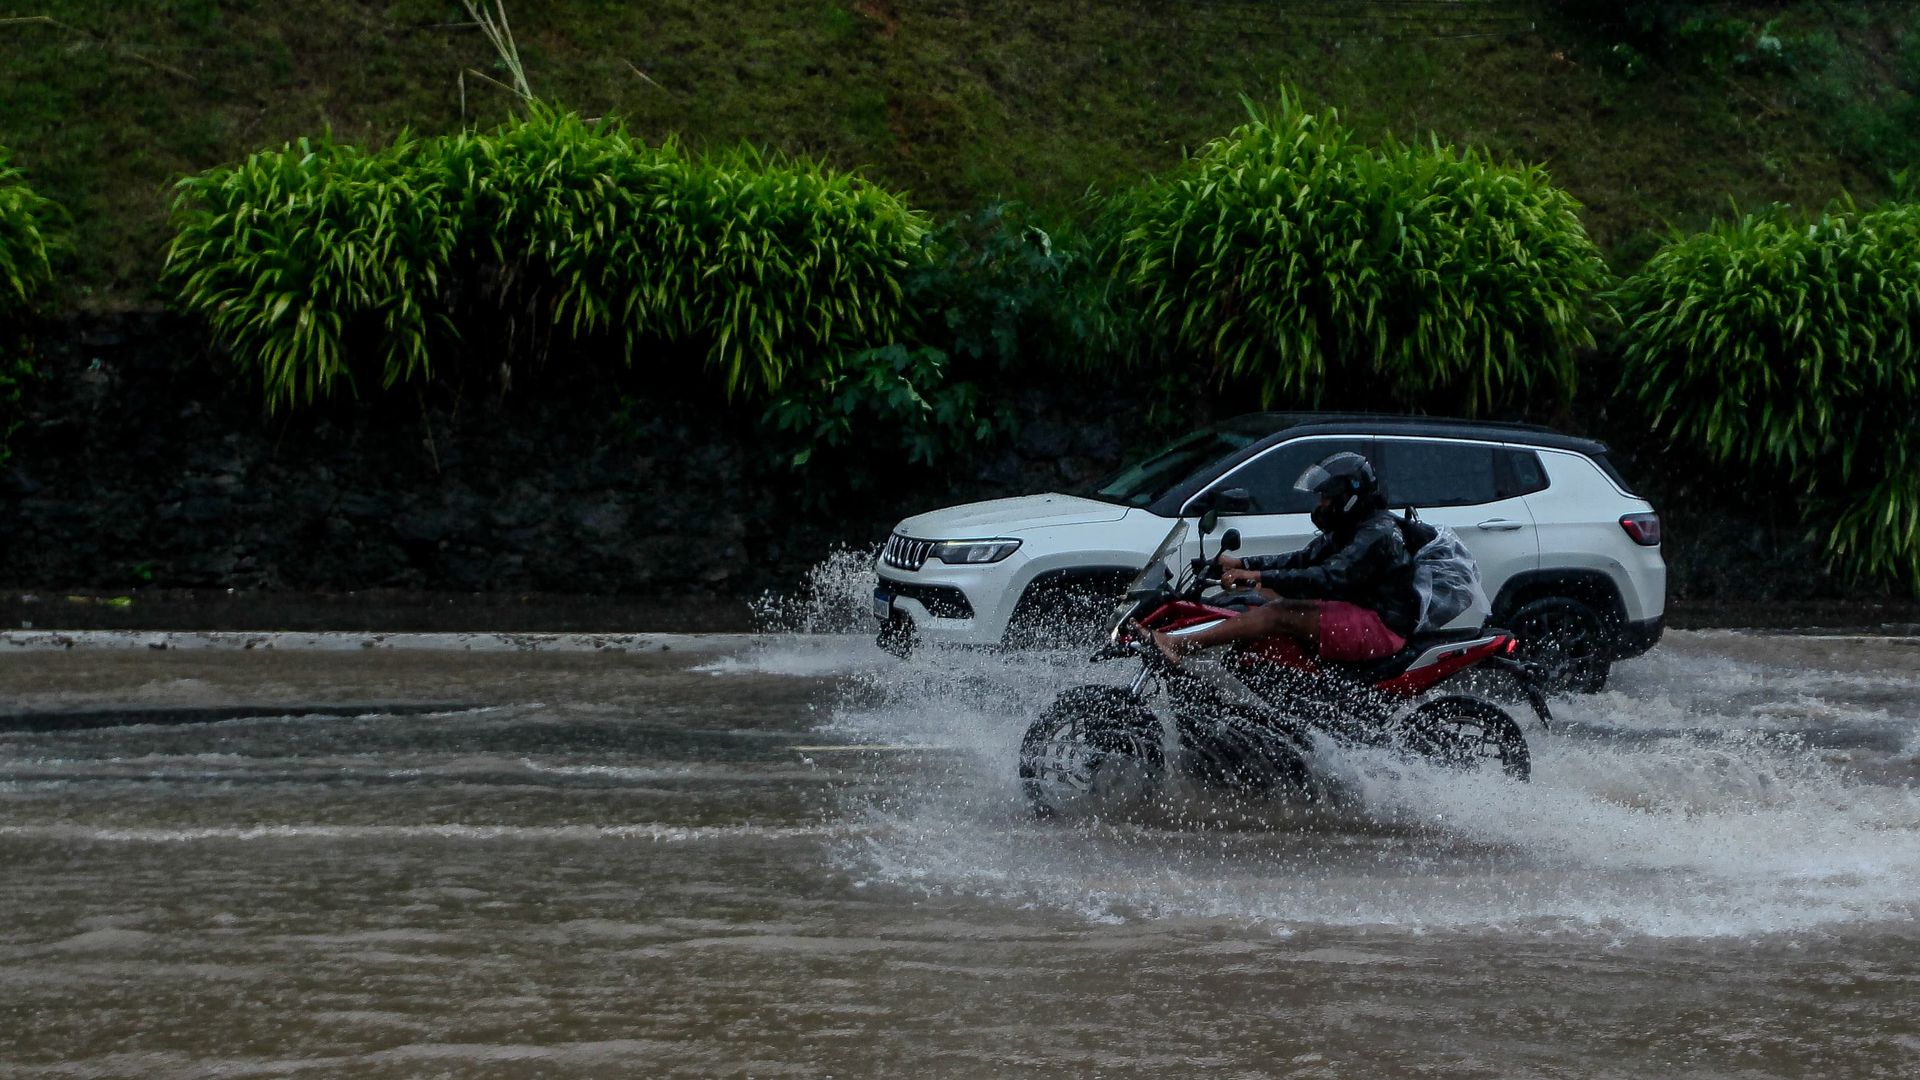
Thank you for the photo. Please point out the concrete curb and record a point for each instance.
(349, 641)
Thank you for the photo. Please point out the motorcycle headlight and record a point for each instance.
(961, 552)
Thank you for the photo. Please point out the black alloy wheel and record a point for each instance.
(1565, 640)
(896, 636)
(1468, 733)
(1093, 749)
(1062, 614)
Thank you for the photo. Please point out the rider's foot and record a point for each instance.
(1171, 647)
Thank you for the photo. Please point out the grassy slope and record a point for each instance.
(957, 101)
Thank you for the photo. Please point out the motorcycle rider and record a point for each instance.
(1348, 595)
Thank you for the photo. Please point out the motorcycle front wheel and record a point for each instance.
(1095, 751)
(1467, 732)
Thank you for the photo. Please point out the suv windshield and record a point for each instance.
(1141, 483)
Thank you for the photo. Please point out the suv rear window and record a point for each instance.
(1605, 461)
(1421, 473)
(1519, 473)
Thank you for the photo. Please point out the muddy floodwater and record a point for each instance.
(796, 856)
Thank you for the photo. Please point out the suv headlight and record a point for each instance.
(960, 552)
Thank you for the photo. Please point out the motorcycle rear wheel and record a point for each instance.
(1469, 733)
(1094, 749)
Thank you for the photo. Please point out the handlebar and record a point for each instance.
(1205, 572)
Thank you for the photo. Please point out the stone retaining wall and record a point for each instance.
(146, 461)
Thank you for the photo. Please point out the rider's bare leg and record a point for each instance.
(1297, 619)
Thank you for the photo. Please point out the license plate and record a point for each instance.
(882, 604)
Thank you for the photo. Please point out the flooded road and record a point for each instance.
(795, 856)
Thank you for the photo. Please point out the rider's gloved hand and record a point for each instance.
(1239, 578)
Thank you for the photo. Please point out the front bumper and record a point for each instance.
(940, 611)
(938, 601)
(1635, 638)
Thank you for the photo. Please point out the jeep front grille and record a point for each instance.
(906, 552)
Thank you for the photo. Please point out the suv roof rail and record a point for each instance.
(1284, 419)
(1277, 422)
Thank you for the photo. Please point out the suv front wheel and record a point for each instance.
(896, 636)
(1566, 640)
(1067, 608)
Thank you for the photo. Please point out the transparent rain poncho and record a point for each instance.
(1447, 579)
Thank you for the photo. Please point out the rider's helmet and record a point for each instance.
(1349, 481)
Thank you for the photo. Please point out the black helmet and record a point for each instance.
(1350, 482)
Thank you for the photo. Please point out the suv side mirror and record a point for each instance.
(1208, 521)
(1230, 541)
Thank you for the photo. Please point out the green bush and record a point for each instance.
(896, 402)
(26, 221)
(308, 258)
(552, 210)
(1787, 346)
(994, 299)
(1290, 256)
(552, 225)
(761, 262)
(1002, 293)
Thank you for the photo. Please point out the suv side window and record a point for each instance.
(1420, 473)
(1269, 478)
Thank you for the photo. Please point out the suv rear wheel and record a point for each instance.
(1566, 640)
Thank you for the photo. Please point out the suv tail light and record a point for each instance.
(1644, 528)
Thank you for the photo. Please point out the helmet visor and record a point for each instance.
(1313, 479)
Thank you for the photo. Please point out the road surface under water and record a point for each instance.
(795, 856)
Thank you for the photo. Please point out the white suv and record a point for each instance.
(1569, 555)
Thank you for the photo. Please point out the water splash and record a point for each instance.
(835, 597)
(1702, 796)
(825, 628)
(1723, 785)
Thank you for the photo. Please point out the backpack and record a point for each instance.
(1445, 576)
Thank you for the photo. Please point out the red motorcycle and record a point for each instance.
(1242, 718)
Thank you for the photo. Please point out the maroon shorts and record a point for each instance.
(1350, 632)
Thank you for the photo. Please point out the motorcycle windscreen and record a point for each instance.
(1150, 575)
